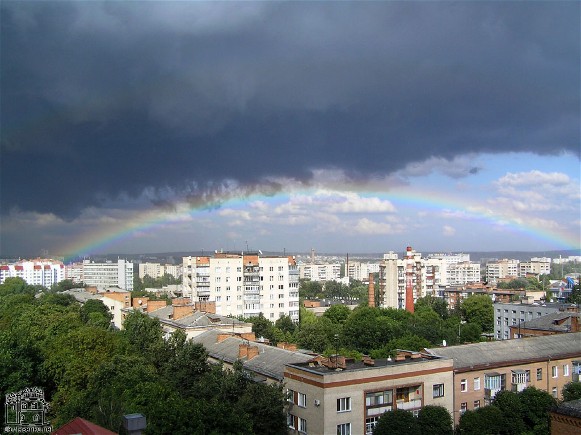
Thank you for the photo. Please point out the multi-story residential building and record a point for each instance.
(74, 272)
(536, 266)
(360, 271)
(157, 270)
(43, 272)
(108, 274)
(501, 269)
(462, 273)
(402, 282)
(343, 396)
(244, 284)
(481, 370)
(320, 272)
(511, 314)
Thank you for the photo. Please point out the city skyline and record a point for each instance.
(344, 126)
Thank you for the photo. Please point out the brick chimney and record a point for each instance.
(182, 311)
(155, 305)
(221, 337)
(575, 323)
(248, 336)
(242, 350)
(252, 352)
(371, 291)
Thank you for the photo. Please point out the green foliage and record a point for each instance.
(337, 313)
(316, 336)
(285, 324)
(575, 296)
(536, 405)
(478, 309)
(511, 407)
(396, 422)
(435, 420)
(571, 391)
(483, 421)
(310, 289)
(95, 312)
(439, 305)
(149, 282)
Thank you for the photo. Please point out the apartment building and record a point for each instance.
(403, 281)
(536, 266)
(108, 274)
(481, 370)
(45, 272)
(157, 270)
(360, 271)
(343, 396)
(462, 273)
(501, 269)
(320, 272)
(244, 284)
(507, 315)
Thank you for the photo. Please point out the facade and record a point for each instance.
(501, 269)
(320, 272)
(340, 395)
(462, 273)
(244, 284)
(43, 272)
(536, 267)
(511, 314)
(560, 322)
(360, 271)
(566, 418)
(403, 281)
(109, 274)
(157, 270)
(481, 370)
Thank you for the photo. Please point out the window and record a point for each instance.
(302, 400)
(291, 421)
(438, 390)
(539, 374)
(290, 396)
(344, 404)
(344, 429)
(463, 407)
(476, 384)
(555, 392)
(463, 385)
(566, 370)
(302, 425)
(370, 424)
(554, 371)
(379, 398)
(476, 404)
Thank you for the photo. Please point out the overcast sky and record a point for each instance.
(341, 126)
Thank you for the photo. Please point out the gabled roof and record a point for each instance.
(509, 352)
(559, 322)
(269, 362)
(81, 426)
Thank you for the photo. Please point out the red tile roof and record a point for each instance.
(81, 426)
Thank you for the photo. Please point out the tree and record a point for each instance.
(316, 336)
(482, 421)
(396, 422)
(145, 335)
(536, 406)
(435, 420)
(310, 289)
(439, 305)
(337, 313)
(261, 326)
(478, 309)
(572, 391)
(95, 312)
(285, 324)
(511, 407)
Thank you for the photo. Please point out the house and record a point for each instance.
(566, 418)
(481, 370)
(344, 396)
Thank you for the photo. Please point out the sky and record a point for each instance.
(139, 127)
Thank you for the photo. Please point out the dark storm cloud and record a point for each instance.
(103, 99)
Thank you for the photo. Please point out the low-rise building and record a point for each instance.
(481, 370)
(566, 418)
(343, 396)
(560, 322)
(507, 315)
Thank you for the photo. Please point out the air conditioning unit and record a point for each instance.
(317, 402)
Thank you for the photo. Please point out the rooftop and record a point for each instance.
(508, 352)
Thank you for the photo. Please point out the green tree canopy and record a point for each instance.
(435, 420)
(396, 422)
(571, 391)
(478, 309)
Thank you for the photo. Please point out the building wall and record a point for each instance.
(245, 285)
(507, 315)
(43, 272)
(323, 391)
(473, 397)
(110, 274)
(320, 272)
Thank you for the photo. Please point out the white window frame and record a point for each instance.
(302, 425)
(302, 400)
(477, 384)
(438, 390)
(555, 371)
(565, 369)
(464, 385)
(344, 404)
(344, 429)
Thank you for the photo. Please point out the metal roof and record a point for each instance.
(506, 352)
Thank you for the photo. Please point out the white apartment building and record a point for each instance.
(536, 266)
(403, 281)
(244, 284)
(360, 271)
(462, 273)
(320, 272)
(43, 272)
(74, 272)
(108, 274)
(505, 268)
(157, 270)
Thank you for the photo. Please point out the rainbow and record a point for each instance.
(405, 197)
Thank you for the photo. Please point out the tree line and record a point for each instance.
(89, 370)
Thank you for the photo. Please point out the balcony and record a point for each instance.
(412, 404)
